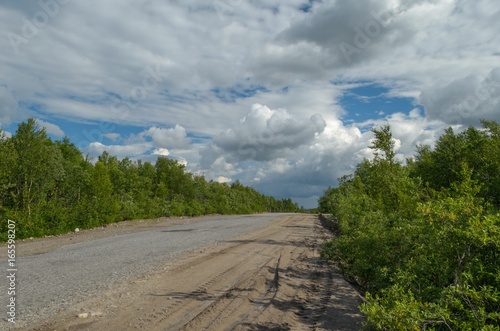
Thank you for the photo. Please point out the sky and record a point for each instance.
(280, 95)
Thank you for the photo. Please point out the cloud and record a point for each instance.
(343, 34)
(51, 129)
(222, 179)
(398, 43)
(465, 100)
(112, 136)
(146, 145)
(342, 30)
(121, 151)
(161, 152)
(175, 137)
(309, 168)
(8, 106)
(329, 152)
(6, 133)
(265, 134)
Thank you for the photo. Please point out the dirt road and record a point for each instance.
(268, 279)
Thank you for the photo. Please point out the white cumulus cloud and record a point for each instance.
(161, 151)
(51, 128)
(175, 137)
(265, 134)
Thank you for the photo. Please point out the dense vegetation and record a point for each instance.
(423, 239)
(49, 187)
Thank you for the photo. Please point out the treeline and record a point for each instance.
(49, 187)
(423, 239)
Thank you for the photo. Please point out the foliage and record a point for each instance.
(479, 149)
(423, 239)
(50, 188)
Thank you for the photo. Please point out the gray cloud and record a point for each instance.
(465, 100)
(265, 134)
(8, 107)
(344, 29)
(343, 34)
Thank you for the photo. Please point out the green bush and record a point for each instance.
(427, 257)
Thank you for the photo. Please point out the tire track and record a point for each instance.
(217, 286)
(184, 303)
(224, 305)
(269, 279)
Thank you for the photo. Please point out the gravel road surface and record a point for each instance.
(52, 281)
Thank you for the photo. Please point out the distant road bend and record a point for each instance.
(251, 272)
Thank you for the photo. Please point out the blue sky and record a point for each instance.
(280, 95)
(370, 101)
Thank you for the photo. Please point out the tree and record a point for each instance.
(479, 149)
(38, 170)
(383, 143)
(172, 179)
(427, 258)
(76, 173)
(101, 204)
(8, 161)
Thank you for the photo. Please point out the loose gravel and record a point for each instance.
(50, 282)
